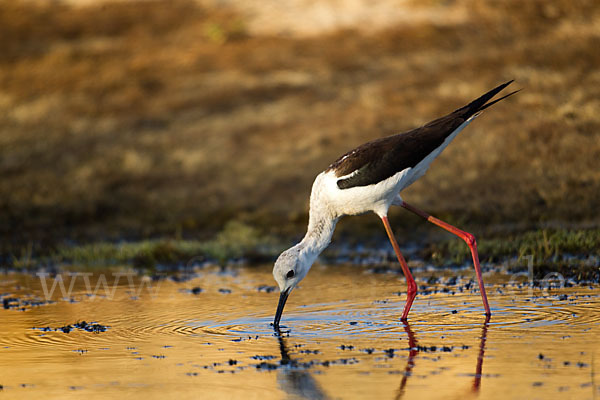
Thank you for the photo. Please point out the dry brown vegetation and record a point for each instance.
(148, 118)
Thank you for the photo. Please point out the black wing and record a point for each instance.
(382, 158)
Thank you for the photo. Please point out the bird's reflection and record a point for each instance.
(414, 350)
(410, 363)
(478, 369)
(295, 380)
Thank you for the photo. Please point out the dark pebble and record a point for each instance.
(432, 280)
(353, 323)
(91, 327)
(7, 302)
(307, 351)
(267, 366)
(224, 291)
(454, 312)
(88, 327)
(537, 383)
(567, 363)
(80, 325)
(346, 347)
(196, 290)
(389, 352)
(347, 361)
(541, 356)
(266, 288)
(262, 357)
(232, 362)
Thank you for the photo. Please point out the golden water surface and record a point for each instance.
(345, 339)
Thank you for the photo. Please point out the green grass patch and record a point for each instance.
(574, 252)
(235, 241)
(545, 246)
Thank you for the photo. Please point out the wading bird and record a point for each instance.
(370, 178)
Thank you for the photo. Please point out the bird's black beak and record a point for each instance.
(283, 296)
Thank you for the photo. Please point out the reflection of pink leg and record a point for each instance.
(412, 352)
(467, 237)
(412, 286)
(479, 368)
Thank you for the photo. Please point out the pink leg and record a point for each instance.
(412, 286)
(467, 237)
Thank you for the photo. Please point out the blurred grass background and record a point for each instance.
(145, 119)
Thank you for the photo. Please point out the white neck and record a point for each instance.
(321, 224)
(318, 235)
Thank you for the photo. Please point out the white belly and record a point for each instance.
(360, 199)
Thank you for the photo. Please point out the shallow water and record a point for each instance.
(345, 339)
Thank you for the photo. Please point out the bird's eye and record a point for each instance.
(290, 274)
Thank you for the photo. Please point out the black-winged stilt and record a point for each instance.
(370, 178)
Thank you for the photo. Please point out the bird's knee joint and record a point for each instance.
(412, 289)
(470, 239)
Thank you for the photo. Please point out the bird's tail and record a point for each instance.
(481, 103)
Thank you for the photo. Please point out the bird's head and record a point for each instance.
(290, 268)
